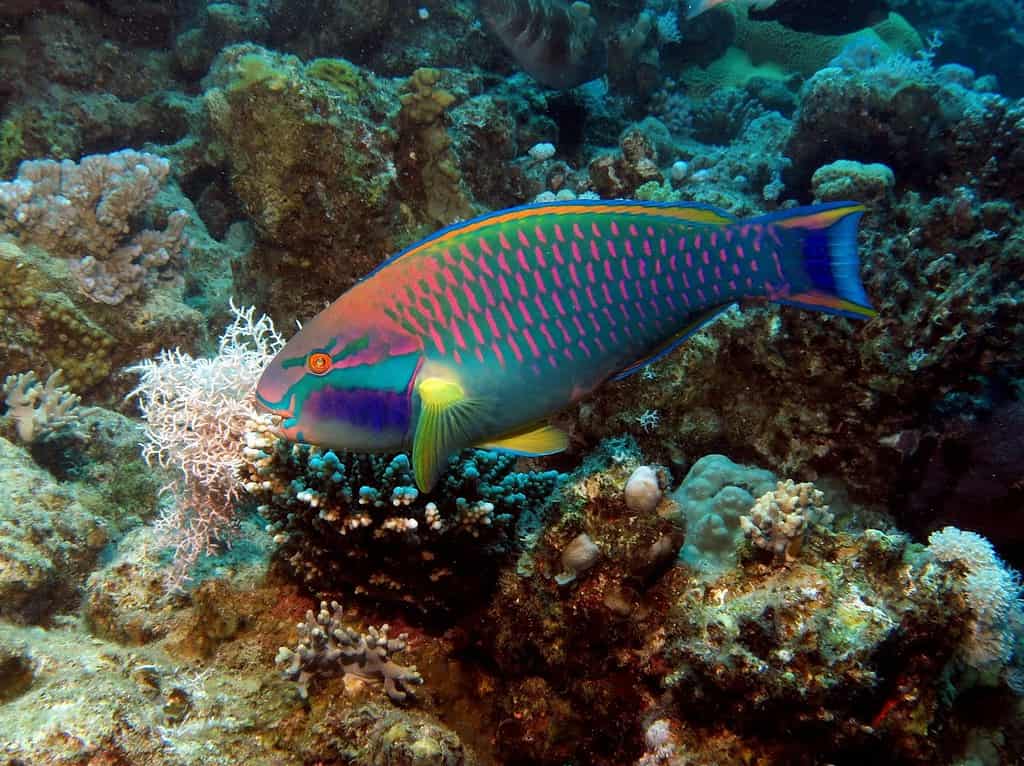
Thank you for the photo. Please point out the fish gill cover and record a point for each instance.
(780, 536)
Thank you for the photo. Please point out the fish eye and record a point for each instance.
(319, 363)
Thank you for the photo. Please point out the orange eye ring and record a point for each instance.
(319, 363)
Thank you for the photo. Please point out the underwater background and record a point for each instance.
(795, 539)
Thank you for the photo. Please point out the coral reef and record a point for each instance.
(82, 212)
(328, 646)
(38, 409)
(358, 522)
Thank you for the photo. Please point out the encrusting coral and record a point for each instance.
(328, 647)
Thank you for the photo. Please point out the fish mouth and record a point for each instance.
(283, 408)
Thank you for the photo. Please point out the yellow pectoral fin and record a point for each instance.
(542, 440)
(443, 427)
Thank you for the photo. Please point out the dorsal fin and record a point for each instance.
(692, 212)
(672, 342)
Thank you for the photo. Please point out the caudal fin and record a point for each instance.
(827, 257)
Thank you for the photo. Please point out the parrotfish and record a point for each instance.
(478, 334)
(554, 41)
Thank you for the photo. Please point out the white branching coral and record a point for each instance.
(198, 412)
(38, 408)
(85, 211)
(779, 519)
(328, 647)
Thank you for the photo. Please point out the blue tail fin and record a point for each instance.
(828, 248)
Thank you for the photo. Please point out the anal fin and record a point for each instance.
(532, 442)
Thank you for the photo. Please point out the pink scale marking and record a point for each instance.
(538, 232)
(538, 280)
(575, 300)
(736, 269)
(467, 272)
(590, 296)
(650, 231)
(608, 270)
(573, 275)
(567, 354)
(457, 356)
(722, 255)
(633, 231)
(706, 257)
(503, 241)
(718, 271)
(522, 285)
(739, 251)
(505, 292)
(732, 285)
(503, 308)
(750, 283)
(689, 260)
(521, 257)
(753, 266)
(491, 324)
(557, 252)
(594, 252)
(686, 281)
(524, 312)
(558, 303)
(654, 286)
(503, 263)
(647, 247)
(590, 272)
(577, 231)
(484, 246)
(459, 340)
(484, 267)
(515, 349)
(594, 229)
(529, 342)
(557, 278)
(436, 337)
(714, 239)
(584, 348)
(552, 361)
(672, 262)
(640, 309)
(622, 290)
(614, 336)
(575, 252)
(615, 228)
(547, 335)
(453, 304)
(600, 345)
(625, 269)
(608, 316)
(717, 292)
(542, 262)
(643, 269)
(539, 303)
(606, 292)
(629, 248)
(558, 233)
(700, 294)
(700, 275)
(696, 242)
(670, 282)
(657, 268)
(610, 246)
(778, 264)
(565, 333)
(498, 353)
(479, 351)
(521, 235)
(488, 295)
(671, 303)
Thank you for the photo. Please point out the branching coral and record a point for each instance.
(37, 409)
(358, 520)
(778, 520)
(327, 646)
(85, 212)
(197, 412)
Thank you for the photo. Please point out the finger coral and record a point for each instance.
(84, 212)
(327, 646)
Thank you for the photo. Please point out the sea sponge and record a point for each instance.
(870, 183)
(643, 490)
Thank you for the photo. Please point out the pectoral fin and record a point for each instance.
(533, 442)
(442, 428)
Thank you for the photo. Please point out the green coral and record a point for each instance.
(427, 151)
(341, 75)
(12, 146)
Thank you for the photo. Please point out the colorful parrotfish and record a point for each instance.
(477, 334)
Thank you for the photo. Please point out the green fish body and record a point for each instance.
(479, 333)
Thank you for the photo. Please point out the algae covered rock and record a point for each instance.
(313, 166)
(870, 183)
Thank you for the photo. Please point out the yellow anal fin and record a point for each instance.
(539, 440)
(445, 421)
